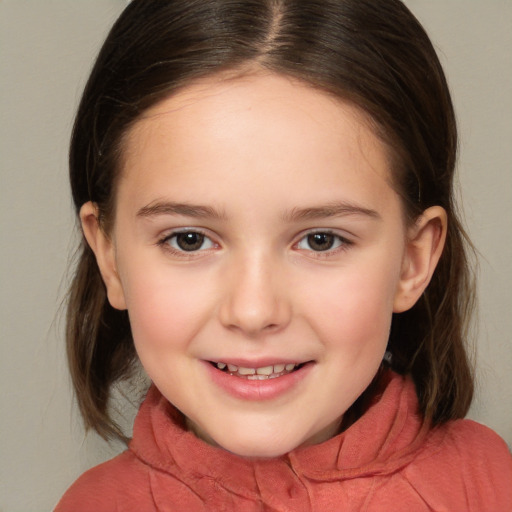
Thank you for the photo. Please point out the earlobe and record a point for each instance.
(104, 251)
(422, 252)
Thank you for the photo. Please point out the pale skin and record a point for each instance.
(298, 252)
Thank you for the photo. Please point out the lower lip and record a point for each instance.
(257, 390)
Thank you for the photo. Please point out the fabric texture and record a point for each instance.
(388, 460)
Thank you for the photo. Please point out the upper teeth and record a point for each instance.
(263, 370)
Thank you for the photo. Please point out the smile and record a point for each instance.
(261, 373)
(263, 381)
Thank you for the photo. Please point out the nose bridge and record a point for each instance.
(255, 299)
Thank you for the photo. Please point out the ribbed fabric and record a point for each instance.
(389, 460)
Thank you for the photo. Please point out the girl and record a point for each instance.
(265, 193)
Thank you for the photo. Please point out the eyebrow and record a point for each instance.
(185, 209)
(336, 209)
(296, 214)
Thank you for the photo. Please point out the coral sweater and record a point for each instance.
(389, 460)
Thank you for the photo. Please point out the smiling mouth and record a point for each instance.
(262, 373)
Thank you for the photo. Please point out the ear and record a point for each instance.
(424, 246)
(104, 250)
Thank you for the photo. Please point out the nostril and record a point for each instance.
(252, 305)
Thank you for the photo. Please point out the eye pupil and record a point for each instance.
(190, 241)
(321, 241)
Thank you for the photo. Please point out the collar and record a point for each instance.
(382, 441)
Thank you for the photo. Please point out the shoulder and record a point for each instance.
(107, 486)
(469, 441)
(477, 434)
(466, 462)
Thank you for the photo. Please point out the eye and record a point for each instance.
(188, 241)
(321, 242)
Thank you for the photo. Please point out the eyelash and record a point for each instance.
(165, 243)
(341, 243)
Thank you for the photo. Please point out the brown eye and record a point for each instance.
(189, 241)
(321, 241)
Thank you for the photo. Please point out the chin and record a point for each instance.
(259, 452)
(259, 446)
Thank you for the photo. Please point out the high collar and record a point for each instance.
(382, 441)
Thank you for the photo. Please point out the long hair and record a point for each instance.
(373, 53)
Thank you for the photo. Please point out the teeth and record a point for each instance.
(265, 370)
(246, 371)
(258, 373)
(258, 377)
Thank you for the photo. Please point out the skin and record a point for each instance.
(261, 161)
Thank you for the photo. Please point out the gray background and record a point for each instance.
(46, 51)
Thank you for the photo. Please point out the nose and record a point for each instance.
(256, 298)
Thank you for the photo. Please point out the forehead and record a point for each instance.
(259, 125)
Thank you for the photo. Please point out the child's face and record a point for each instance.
(256, 226)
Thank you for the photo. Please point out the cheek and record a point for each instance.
(164, 308)
(356, 310)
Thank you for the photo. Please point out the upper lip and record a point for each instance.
(257, 363)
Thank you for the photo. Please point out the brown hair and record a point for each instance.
(371, 52)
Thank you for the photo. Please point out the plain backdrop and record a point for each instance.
(46, 50)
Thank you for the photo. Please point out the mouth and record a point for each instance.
(262, 373)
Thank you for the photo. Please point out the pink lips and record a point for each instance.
(256, 389)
